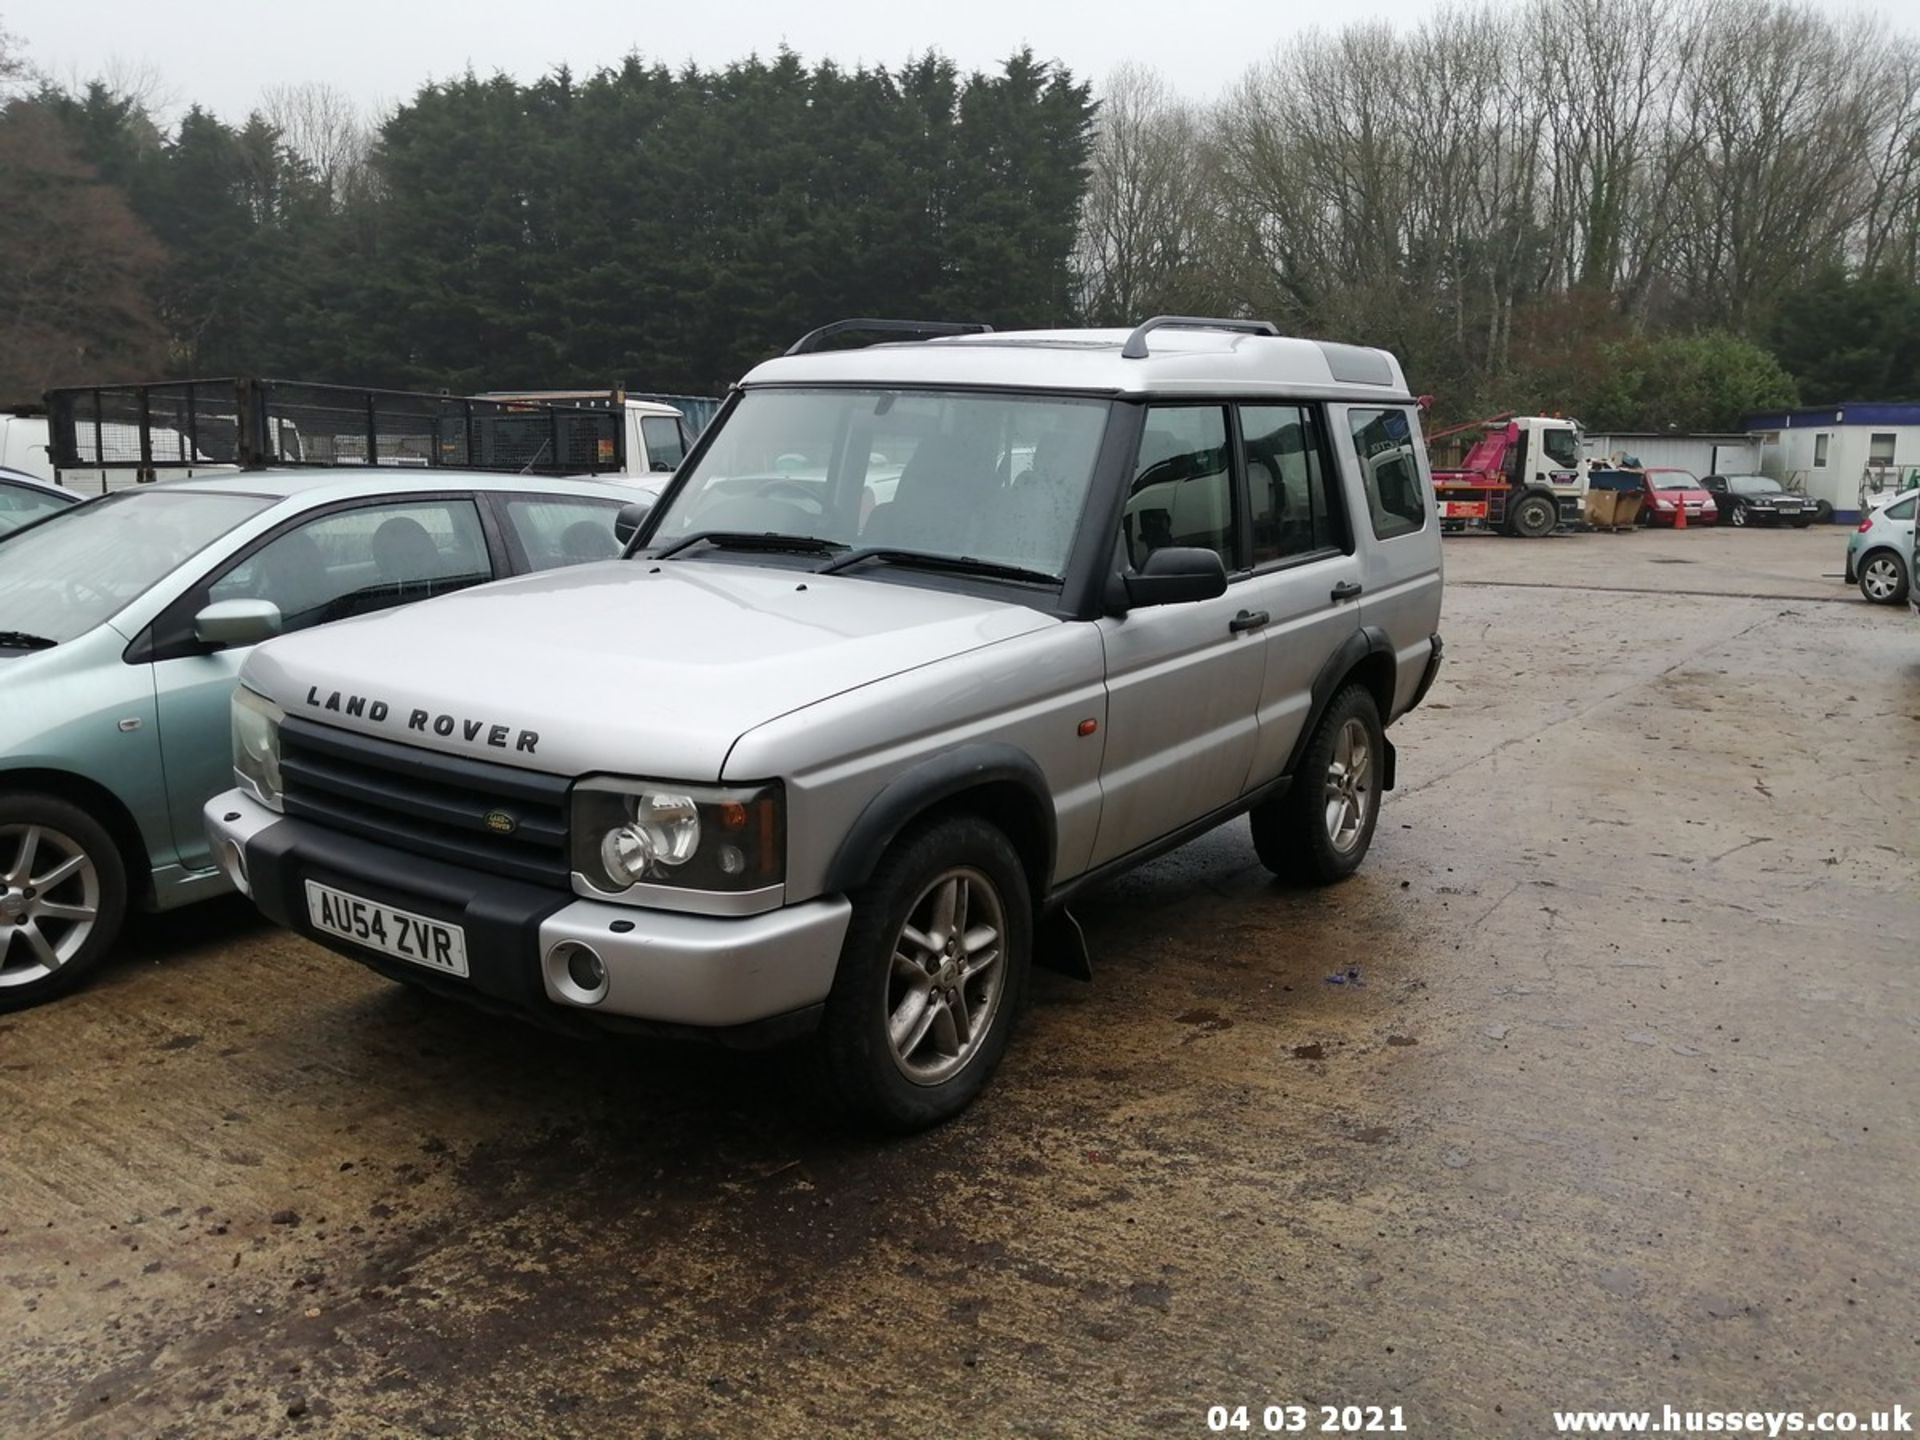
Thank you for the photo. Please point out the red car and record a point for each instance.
(1668, 490)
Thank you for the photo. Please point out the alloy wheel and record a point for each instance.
(49, 901)
(947, 976)
(1349, 787)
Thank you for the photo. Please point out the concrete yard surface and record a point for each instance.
(1614, 1106)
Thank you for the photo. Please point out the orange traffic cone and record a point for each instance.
(1680, 513)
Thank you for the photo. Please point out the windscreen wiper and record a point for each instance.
(21, 640)
(750, 540)
(932, 560)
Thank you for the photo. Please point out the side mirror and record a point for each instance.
(627, 523)
(237, 622)
(1174, 576)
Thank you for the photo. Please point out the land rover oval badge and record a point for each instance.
(501, 823)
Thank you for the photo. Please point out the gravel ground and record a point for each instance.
(1616, 1106)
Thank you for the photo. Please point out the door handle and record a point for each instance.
(1247, 620)
(1346, 590)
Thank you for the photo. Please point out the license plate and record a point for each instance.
(399, 933)
(1463, 509)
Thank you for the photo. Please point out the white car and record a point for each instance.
(1880, 552)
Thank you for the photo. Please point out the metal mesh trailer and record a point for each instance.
(184, 425)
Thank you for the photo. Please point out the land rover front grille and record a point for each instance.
(464, 812)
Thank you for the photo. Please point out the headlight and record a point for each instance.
(722, 839)
(256, 746)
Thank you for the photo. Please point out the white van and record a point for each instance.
(25, 445)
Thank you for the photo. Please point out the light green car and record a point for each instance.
(122, 626)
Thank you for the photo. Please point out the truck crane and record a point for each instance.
(1523, 476)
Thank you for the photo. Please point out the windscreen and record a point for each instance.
(1754, 484)
(1675, 480)
(960, 474)
(66, 575)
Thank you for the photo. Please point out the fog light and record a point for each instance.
(577, 973)
(236, 866)
(585, 970)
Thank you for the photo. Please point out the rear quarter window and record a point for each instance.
(1384, 444)
(560, 531)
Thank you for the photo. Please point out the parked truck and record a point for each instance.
(653, 438)
(1524, 476)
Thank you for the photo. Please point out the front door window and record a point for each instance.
(1182, 493)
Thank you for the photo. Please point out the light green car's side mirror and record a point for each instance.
(237, 622)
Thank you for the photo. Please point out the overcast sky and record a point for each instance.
(222, 53)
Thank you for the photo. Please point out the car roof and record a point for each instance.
(1192, 361)
(34, 482)
(321, 484)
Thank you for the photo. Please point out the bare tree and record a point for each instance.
(1780, 182)
(323, 128)
(13, 63)
(1590, 166)
(1890, 230)
(1147, 208)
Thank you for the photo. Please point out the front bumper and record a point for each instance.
(665, 970)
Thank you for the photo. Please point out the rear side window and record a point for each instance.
(354, 562)
(666, 446)
(1902, 509)
(1182, 490)
(20, 506)
(1291, 508)
(559, 532)
(1389, 471)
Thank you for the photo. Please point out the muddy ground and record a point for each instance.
(1617, 1107)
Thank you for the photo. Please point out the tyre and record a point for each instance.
(63, 896)
(1823, 511)
(1883, 578)
(1320, 829)
(1533, 517)
(1737, 515)
(932, 975)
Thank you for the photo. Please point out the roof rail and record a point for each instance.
(812, 340)
(1136, 346)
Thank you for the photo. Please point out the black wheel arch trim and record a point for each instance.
(1358, 649)
(1430, 674)
(932, 782)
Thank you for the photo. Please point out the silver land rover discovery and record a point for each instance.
(922, 640)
